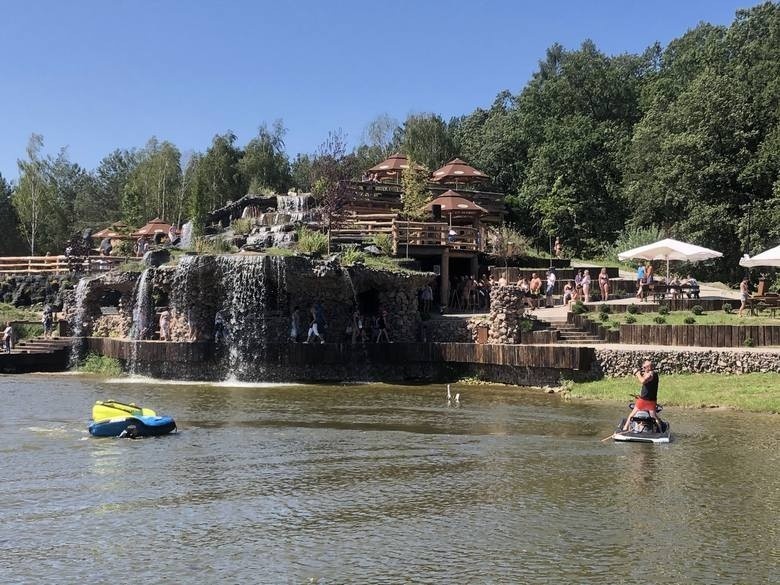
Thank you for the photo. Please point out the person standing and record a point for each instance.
(548, 292)
(8, 337)
(165, 325)
(558, 248)
(47, 320)
(535, 289)
(744, 295)
(314, 326)
(358, 331)
(648, 395)
(640, 281)
(381, 324)
(604, 284)
(586, 286)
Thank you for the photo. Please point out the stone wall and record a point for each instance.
(507, 306)
(451, 328)
(613, 363)
(23, 291)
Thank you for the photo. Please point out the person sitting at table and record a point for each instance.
(693, 287)
(674, 287)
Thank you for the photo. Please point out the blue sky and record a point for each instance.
(99, 75)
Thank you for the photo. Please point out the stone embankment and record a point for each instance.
(613, 363)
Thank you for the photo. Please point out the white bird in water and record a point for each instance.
(449, 396)
(457, 399)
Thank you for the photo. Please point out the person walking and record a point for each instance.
(744, 295)
(358, 331)
(47, 320)
(381, 324)
(586, 286)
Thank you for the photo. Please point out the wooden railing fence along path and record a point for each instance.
(11, 265)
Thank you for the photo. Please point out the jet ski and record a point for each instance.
(111, 418)
(643, 429)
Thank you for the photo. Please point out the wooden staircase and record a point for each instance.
(37, 355)
(570, 334)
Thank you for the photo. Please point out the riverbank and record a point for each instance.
(747, 392)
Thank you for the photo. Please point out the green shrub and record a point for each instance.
(384, 242)
(749, 342)
(212, 246)
(100, 364)
(727, 308)
(242, 226)
(27, 330)
(604, 309)
(351, 254)
(124, 248)
(633, 309)
(697, 310)
(604, 316)
(312, 242)
(614, 325)
(579, 308)
(689, 320)
(630, 319)
(660, 319)
(526, 325)
(663, 310)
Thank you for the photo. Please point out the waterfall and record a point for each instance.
(79, 320)
(143, 311)
(348, 278)
(296, 206)
(245, 284)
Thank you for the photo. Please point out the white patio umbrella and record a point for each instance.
(769, 258)
(670, 249)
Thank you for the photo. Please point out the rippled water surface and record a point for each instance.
(378, 484)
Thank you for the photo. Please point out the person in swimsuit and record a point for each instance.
(648, 395)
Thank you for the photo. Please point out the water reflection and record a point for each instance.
(379, 484)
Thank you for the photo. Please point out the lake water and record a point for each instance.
(378, 484)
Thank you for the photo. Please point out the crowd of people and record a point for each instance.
(311, 326)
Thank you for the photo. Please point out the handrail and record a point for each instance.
(58, 264)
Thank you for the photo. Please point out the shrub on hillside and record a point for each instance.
(697, 310)
(689, 320)
(727, 308)
(604, 316)
(749, 342)
(351, 254)
(633, 309)
(384, 242)
(663, 310)
(630, 319)
(312, 242)
(579, 308)
(660, 319)
(604, 309)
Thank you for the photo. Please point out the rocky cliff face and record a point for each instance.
(249, 298)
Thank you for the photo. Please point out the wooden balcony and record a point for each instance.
(10, 265)
(434, 234)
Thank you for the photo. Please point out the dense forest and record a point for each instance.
(681, 141)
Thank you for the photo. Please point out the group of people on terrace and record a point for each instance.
(675, 286)
(360, 328)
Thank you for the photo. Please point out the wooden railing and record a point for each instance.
(361, 228)
(58, 264)
(421, 233)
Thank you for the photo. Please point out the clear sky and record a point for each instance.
(98, 75)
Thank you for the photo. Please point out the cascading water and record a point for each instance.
(296, 206)
(79, 321)
(142, 306)
(244, 281)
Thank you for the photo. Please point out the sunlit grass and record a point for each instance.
(749, 392)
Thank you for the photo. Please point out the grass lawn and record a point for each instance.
(748, 392)
(678, 318)
(10, 313)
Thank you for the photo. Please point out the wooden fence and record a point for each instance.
(10, 265)
(425, 233)
(701, 335)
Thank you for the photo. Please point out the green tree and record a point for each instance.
(428, 139)
(265, 165)
(416, 194)
(153, 187)
(11, 243)
(100, 202)
(33, 198)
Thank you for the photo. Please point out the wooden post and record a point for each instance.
(444, 289)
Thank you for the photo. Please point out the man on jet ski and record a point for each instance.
(647, 395)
